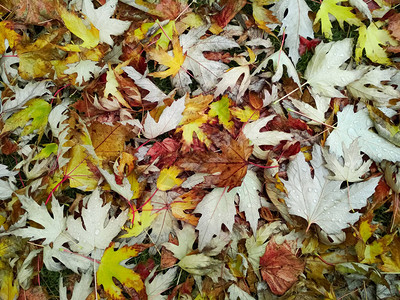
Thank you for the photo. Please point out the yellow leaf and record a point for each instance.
(341, 13)
(246, 114)
(111, 88)
(140, 222)
(36, 110)
(220, 109)
(167, 179)
(372, 39)
(7, 33)
(8, 286)
(110, 269)
(173, 62)
(193, 117)
(263, 16)
(78, 172)
(75, 24)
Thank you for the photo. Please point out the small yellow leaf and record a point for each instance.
(341, 13)
(372, 39)
(141, 221)
(110, 268)
(7, 33)
(246, 114)
(173, 62)
(167, 179)
(75, 24)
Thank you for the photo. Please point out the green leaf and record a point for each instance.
(37, 110)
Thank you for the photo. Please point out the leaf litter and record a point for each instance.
(172, 149)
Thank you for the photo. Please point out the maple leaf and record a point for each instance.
(173, 62)
(186, 238)
(341, 13)
(101, 19)
(263, 16)
(22, 95)
(362, 7)
(220, 109)
(82, 288)
(205, 72)
(89, 36)
(351, 168)
(155, 94)
(37, 110)
(169, 119)
(280, 266)
(252, 131)
(168, 178)
(53, 226)
(279, 59)
(323, 71)
(370, 86)
(353, 126)
(295, 23)
(192, 118)
(316, 116)
(7, 33)
(321, 201)
(84, 69)
(94, 230)
(110, 269)
(159, 284)
(371, 39)
(140, 221)
(230, 164)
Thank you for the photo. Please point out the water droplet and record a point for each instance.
(97, 232)
(309, 189)
(333, 219)
(352, 133)
(219, 215)
(249, 205)
(379, 155)
(315, 191)
(314, 200)
(339, 220)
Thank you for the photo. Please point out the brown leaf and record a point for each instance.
(230, 164)
(280, 267)
(394, 26)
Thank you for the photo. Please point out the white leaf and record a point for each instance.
(53, 225)
(23, 95)
(230, 78)
(216, 208)
(169, 119)
(257, 138)
(25, 271)
(186, 238)
(165, 222)
(155, 94)
(124, 189)
(362, 7)
(353, 126)
(279, 59)
(206, 72)
(317, 116)
(324, 71)
(250, 200)
(353, 166)
(85, 69)
(5, 173)
(81, 290)
(370, 87)
(58, 257)
(236, 292)
(321, 201)
(295, 23)
(101, 19)
(160, 283)
(99, 229)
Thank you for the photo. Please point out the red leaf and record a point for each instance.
(280, 267)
